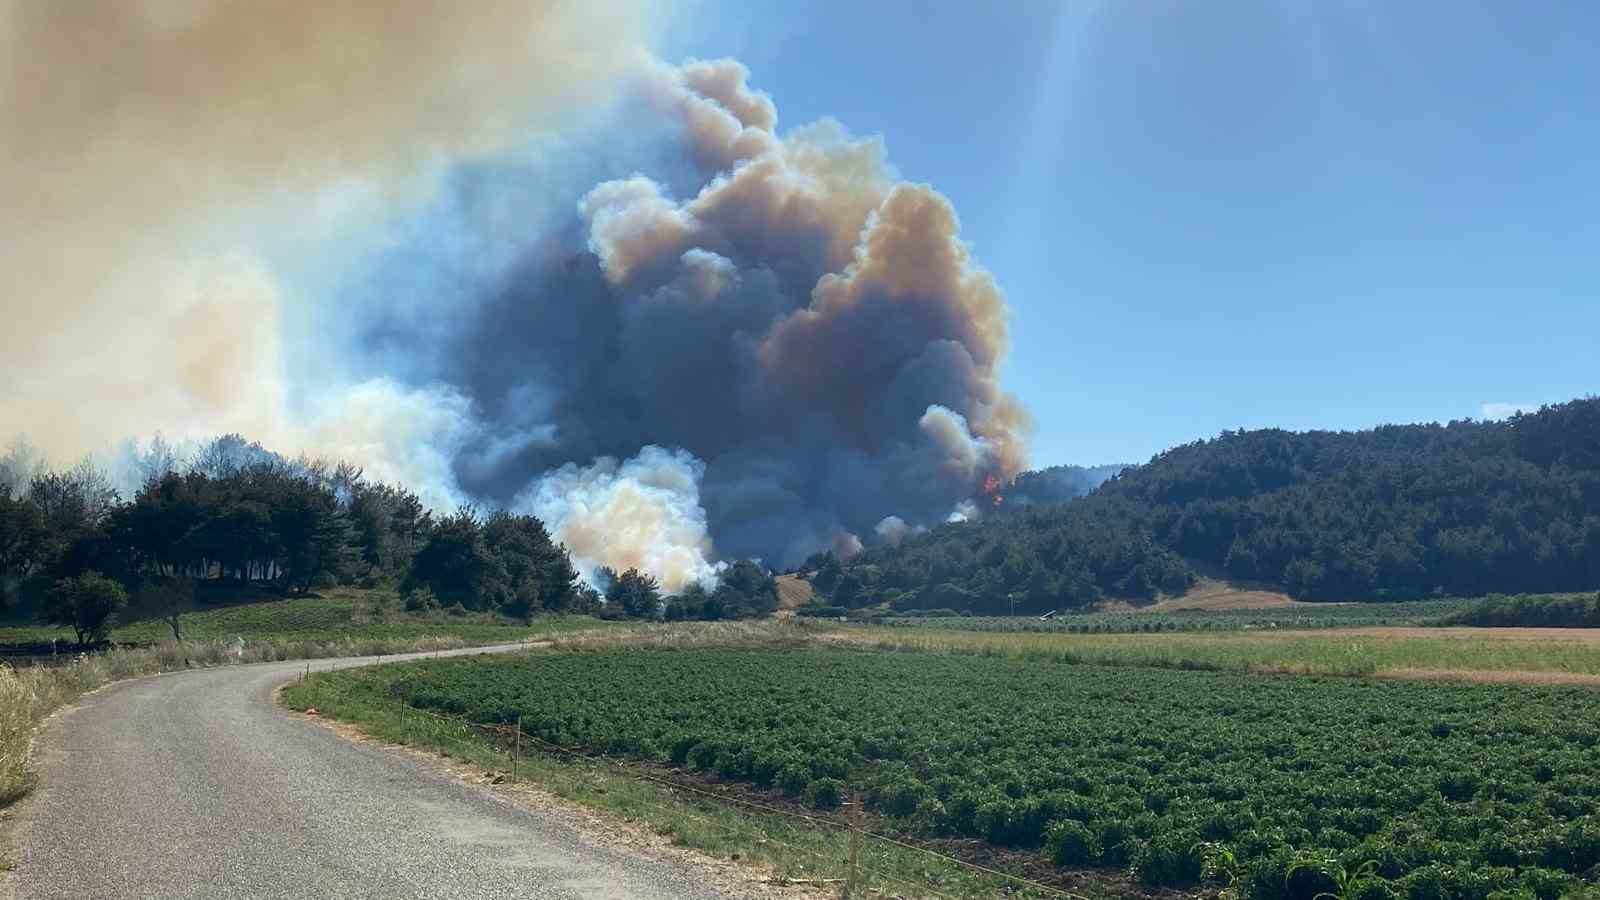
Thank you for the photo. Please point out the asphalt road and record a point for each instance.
(194, 785)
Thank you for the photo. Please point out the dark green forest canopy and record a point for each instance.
(1392, 513)
(240, 513)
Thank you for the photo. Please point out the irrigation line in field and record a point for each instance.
(820, 821)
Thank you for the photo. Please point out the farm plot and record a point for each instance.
(1289, 786)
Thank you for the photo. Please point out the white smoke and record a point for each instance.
(965, 511)
(846, 544)
(893, 529)
(641, 513)
(964, 455)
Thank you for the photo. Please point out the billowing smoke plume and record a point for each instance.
(699, 338)
(150, 145)
(813, 331)
(643, 513)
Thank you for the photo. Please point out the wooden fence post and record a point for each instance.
(853, 875)
(516, 750)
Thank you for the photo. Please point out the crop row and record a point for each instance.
(1431, 789)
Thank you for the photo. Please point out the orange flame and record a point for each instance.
(991, 489)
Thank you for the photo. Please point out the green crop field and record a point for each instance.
(1287, 784)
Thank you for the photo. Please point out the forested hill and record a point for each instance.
(1397, 512)
(1057, 484)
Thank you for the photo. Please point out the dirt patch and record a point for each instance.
(793, 591)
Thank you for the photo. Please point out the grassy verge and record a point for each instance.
(787, 847)
(1345, 652)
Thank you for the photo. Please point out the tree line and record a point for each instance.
(1397, 512)
(238, 513)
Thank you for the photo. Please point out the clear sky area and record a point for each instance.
(1254, 213)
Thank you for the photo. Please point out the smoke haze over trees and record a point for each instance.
(1395, 513)
(72, 550)
(1057, 484)
(531, 267)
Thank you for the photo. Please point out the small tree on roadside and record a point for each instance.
(87, 603)
(168, 598)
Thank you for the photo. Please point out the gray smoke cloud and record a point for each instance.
(746, 342)
(809, 330)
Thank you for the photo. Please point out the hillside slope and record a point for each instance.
(1395, 512)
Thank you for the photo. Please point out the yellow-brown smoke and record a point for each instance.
(153, 151)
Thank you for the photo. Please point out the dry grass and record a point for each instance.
(1212, 595)
(774, 633)
(1456, 653)
(793, 591)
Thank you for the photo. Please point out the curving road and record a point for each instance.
(193, 784)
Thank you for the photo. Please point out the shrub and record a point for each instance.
(1070, 843)
(1171, 859)
(1115, 839)
(794, 778)
(420, 598)
(88, 604)
(824, 793)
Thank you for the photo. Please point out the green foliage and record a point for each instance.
(24, 544)
(1057, 484)
(1394, 513)
(244, 515)
(1071, 843)
(1275, 787)
(744, 590)
(508, 563)
(1531, 611)
(87, 604)
(167, 599)
(825, 793)
(635, 593)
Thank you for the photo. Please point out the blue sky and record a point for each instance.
(1241, 214)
